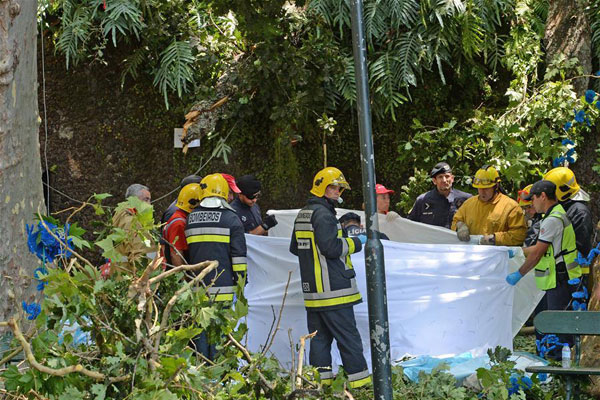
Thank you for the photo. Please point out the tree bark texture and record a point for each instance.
(568, 32)
(20, 167)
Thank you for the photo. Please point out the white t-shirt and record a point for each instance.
(551, 232)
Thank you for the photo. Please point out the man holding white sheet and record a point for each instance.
(553, 255)
(328, 279)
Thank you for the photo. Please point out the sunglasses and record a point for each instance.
(252, 197)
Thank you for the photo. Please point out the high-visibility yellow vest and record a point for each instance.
(545, 270)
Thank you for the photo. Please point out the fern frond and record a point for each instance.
(176, 69)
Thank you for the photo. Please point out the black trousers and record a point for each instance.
(559, 299)
(340, 325)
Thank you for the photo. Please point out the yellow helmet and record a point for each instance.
(328, 176)
(189, 197)
(566, 184)
(524, 193)
(214, 185)
(486, 177)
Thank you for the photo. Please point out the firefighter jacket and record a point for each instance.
(561, 251)
(502, 216)
(328, 278)
(581, 217)
(218, 234)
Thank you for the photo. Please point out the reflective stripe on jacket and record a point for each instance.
(328, 278)
(545, 270)
(218, 234)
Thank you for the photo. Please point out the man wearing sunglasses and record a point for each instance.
(246, 208)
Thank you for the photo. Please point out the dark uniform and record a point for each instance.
(581, 218)
(433, 208)
(330, 290)
(217, 234)
(533, 230)
(250, 216)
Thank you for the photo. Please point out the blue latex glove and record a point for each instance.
(513, 278)
(362, 238)
(511, 253)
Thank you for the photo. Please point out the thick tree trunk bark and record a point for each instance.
(20, 167)
(568, 32)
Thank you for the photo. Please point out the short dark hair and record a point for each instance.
(542, 186)
(349, 217)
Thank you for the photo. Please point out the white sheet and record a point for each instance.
(442, 299)
(526, 294)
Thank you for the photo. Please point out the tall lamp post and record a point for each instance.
(375, 267)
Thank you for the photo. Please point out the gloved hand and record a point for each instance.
(511, 253)
(362, 238)
(391, 216)
(269, 222)
(488, 239)
(462, 231)
(513, 278)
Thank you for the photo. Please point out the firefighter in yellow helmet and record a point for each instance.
(175, 247)
(532, 217)
(214, 232)
(574, 200)
(328, 279)
(491, 213)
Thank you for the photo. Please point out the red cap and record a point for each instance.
(231, 182)
(380, 189)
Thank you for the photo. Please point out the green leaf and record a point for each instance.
(99, 391)
(101, 196)
(72, 393)
(169, 366)
(11, 378)
(184, 333)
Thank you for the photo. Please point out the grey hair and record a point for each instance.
(134, 190)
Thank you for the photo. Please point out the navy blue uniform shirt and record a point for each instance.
(433, 208)
(250, 216)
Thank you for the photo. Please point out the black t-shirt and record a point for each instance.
(250, 216)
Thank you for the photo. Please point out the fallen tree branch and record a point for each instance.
(12, 323)
(180, 268)
(248, 358)
(210, 265)
(301, 357)
(287, 285)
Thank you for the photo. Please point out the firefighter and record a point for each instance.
(214, 232)
(532, 217)
(574, 201)
(553, 255)
(328, 279)
(491, 213)
(175, 247)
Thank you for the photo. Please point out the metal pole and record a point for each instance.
(376, 295)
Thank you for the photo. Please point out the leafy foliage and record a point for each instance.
(407, 37)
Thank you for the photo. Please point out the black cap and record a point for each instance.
(190, 179)
(540, 187)
(440, 168)
(249, 185)
(349, 217)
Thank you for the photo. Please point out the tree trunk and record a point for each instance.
(20, 168)
(568, 32)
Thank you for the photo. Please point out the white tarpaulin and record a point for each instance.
(526, 294)
(442, 299)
